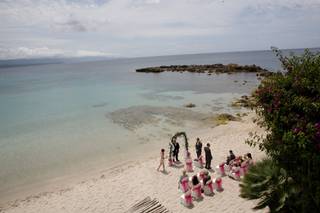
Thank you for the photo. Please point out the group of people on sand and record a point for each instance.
(236, 166)
(195, 179)
(232, 160)
(175, 148)
(207, 151)
(197, 185)
(202, 183)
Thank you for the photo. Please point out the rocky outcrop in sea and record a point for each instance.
(209, 69)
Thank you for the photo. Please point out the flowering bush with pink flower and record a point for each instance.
(288, 106)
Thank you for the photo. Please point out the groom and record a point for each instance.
(208, 156)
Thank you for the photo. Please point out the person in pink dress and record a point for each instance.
(161, 161)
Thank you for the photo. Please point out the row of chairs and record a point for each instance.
(191, 193)
(233, 172)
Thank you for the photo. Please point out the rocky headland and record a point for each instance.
(208, 68)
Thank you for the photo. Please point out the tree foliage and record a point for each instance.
(267, 182)
(288, 106)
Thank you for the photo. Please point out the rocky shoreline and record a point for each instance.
(244, 101)
(208, 68)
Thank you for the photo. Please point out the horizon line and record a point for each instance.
(150, 56)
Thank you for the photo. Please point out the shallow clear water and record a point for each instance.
(53, 117)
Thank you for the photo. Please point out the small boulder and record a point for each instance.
(190, 105)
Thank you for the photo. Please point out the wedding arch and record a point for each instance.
(174, 138)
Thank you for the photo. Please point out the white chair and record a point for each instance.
(226, 168)
(170, 162)
(199, 162)
(221, 169)
(186, 199)
(196, 192)
(184, 184)
(243, 169)
(235, 173)
(201, 175)
(208, 188)
(218, 184)
(189, 167)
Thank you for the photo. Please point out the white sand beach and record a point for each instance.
(116, 189)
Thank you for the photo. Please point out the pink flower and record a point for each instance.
(297, 130)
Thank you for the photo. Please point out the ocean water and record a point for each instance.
(54, 117)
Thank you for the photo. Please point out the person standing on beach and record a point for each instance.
(208, 156)
(176, 150)
(161, 161)
(198, 147)
(172, 149)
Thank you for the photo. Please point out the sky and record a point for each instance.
(134, 28)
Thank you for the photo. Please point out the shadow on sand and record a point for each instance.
(178, 165)
(165, 172)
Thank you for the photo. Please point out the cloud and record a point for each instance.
(45, 52)
(77, 23)
(144, 27)
(24, 52)
(145, 2)
(72, 25)
(87, 53)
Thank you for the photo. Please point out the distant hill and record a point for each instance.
(42, 61)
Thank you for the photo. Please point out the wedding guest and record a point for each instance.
(161, 161)
(208, 156)
(198, 147)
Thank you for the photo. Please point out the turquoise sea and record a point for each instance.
(54, 117)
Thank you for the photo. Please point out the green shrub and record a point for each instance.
(268, 183)
(288, 106)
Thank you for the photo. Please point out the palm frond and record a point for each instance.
(269, 184)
